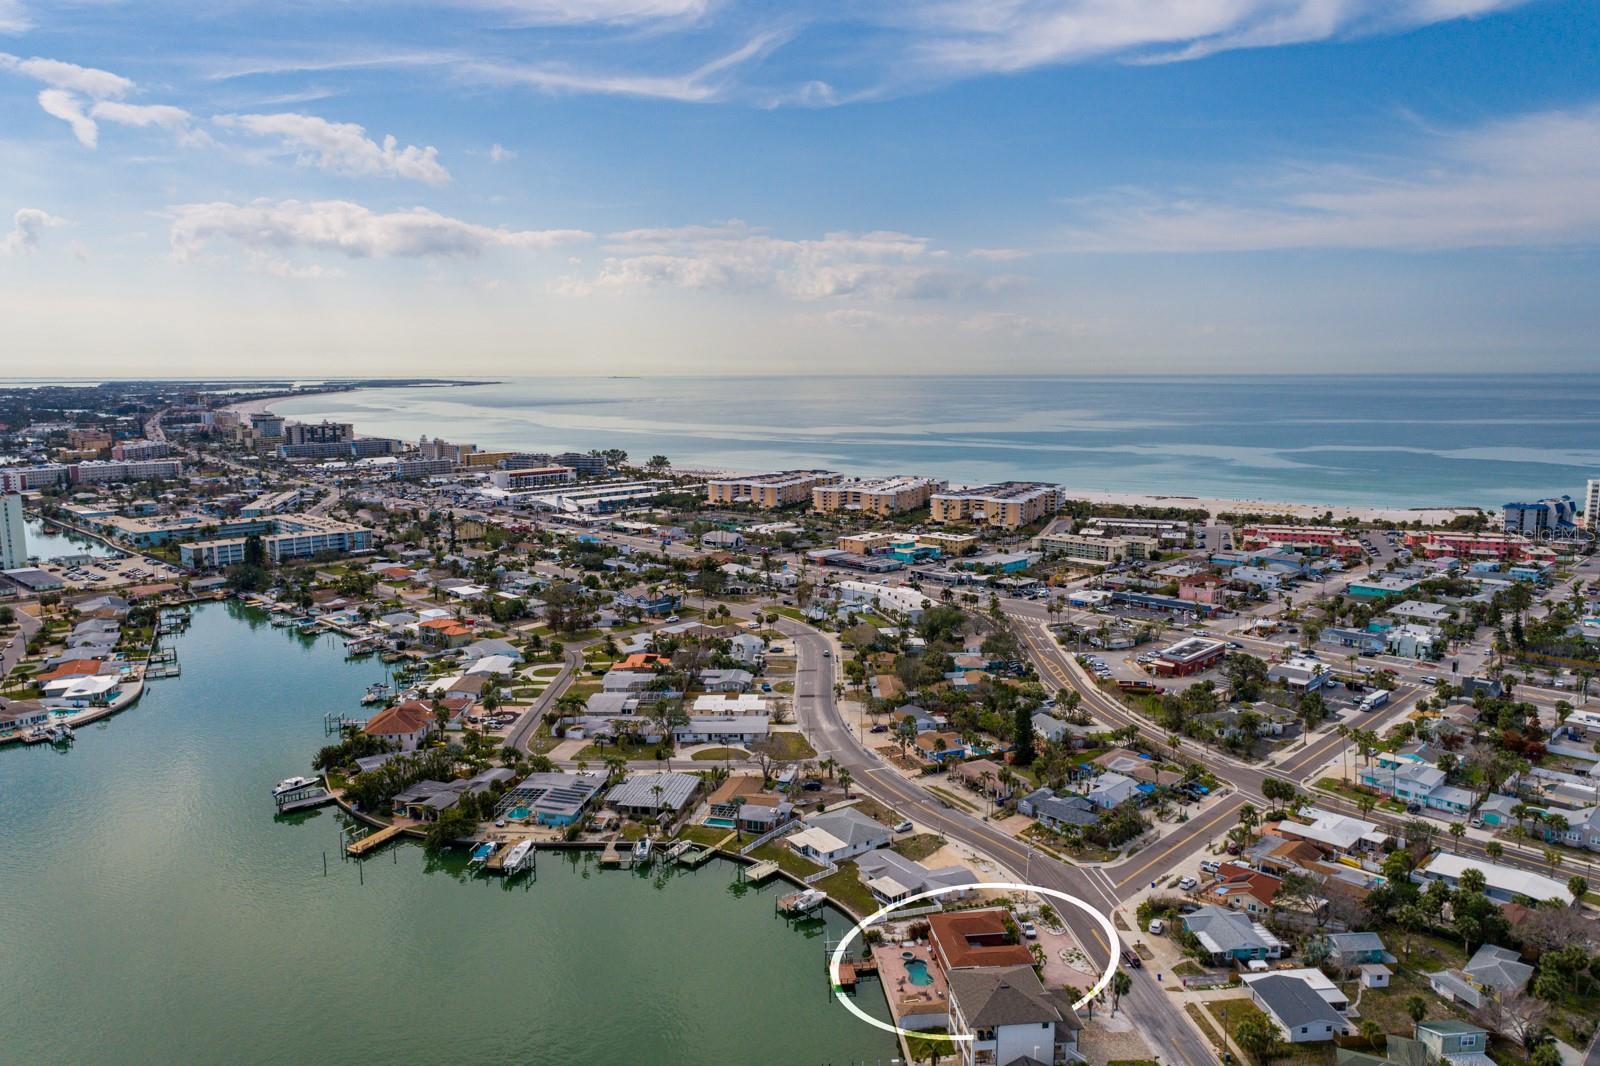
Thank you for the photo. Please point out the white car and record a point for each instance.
(903, 827)
(1188, 884)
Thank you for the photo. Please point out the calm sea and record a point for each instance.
(1394, 441)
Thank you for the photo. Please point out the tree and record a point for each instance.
(1258, 1038)
(1417, 1007)
(1023, 750)
(844, 781)
(1121, 985)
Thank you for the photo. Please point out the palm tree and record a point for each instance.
(844, 781)
(1457, 831)
(1121, 985)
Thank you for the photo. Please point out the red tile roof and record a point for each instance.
(975, 938)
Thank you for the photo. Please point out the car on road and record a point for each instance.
(1429, 679)
(904, 826)
(1131, 959)
(827, 653)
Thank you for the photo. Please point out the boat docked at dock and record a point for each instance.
(60, 733)
(519, 858)
(482, 853)
(292, 784)
(803, 902)
(641, 851)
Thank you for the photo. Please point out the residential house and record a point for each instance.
(1242, 889)
(1110, 790)
(1301, 1015)
(1059, 811)
(554, 798)
(726, 680)
(1501, 883)
(1335, 833)
(962, 939)
(1011, 1018)
(1229, 936)
(652, 795)
(406, 724)
(1492, 973)
(837, 835)
(985, 776)
(491, 646)
(937, 747)
(1356, 949)
(1456, 1042)
(722, 729)
(891, 877)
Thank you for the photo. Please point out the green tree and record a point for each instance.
(1258, 1038)
(1023, 751)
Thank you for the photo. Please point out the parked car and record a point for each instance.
(1029, 932)
(880, 728)
(1210, 866)
(1158, 927)
(1188, 884)
(904, 826)
(812, 785)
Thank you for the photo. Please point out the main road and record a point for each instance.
(1160, 1021)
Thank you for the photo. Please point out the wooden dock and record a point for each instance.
(694, 858)
(304, 800)
(611, 856)
(376, 838)
(760, 871)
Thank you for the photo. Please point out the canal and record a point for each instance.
(46, 542)
(156, 911)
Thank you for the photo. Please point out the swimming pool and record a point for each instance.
(719, 823)
(917, 970)
(519, 814)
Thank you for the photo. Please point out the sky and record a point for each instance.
(497, 187)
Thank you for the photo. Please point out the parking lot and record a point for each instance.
(112, 572)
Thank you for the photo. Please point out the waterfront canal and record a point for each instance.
(46, 542)
(157, 911)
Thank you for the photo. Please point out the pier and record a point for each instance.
(361, 845)
(611, 856)
(695, 858)
(759, 872)
(303, 799)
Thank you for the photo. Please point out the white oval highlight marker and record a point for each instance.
(1007, 886)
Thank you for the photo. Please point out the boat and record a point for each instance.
(281, 620)
(641, 851)
(802, 902)
(376, 693)
(482, 852)
(292, 784)
(60, 734)
(517, 857)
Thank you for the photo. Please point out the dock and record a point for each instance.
(695, 858)
(611, 856)
(804, 902)
(361, 845)
(303, 800)
(760, 871)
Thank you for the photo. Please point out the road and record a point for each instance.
(16, 646)
(1161, 1023)
(517, 737)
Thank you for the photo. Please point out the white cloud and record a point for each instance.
(266, 227)
(342, 147)
(580, 12)
(58, 103)
(175, 120)
(499, 153)
(963, 37)
(1533, 180)
(734, 257)
(99, 84)
(14, 17)
(26, 227)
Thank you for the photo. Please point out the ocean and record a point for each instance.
(1395, 441)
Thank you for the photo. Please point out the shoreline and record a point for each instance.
(1215, 505)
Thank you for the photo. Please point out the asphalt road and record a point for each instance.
(1160, 1021)
(572, 661)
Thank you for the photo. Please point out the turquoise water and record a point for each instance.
(720, 823)
(1404, 440)
(917, 971)
(158, 912)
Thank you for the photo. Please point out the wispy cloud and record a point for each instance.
(1533, 180)
(346, 229)
(57, 74)
(589, 12)
(14, 17)
(26, 227)
(68, 107)
(342, 147)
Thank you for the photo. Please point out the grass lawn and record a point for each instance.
(1231, 1012)
(787, 859)
(845, 887)
(876, 811)
(1189, 968)
(598, 753)
(707, 835)
(719, 754)
(918, 846)
(784, 687)
(946, 794)
(787, 746)
(794, 613)
(585, 688)
(546, 671)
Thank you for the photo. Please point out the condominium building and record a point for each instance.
(298, 536)
(13, 533)
(1090, 549)
(88, 440)
(1008, 505)
(533, 477)
(1166, 529)
(359, 448)
(141, 449)
(869, 543)
(266, 424)
(947, 543)
(408, 468)
(142, 470)
(438, 449)
(318, 433)
(1545, 516)
(1591, 503)
(769, 490)
(30, 478)
(878, 496)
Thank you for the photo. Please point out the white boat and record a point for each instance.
(802, 902)
(60, 734)
(292, 784)
(641, 851)
(517, 856)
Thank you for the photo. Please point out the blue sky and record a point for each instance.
(701, 186)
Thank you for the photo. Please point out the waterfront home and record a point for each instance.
(1059, 811)
(1454, 1042)
(555, 799)
(21, 714)
(76, 667)
(406, 724)
(427, 799)
(891, 877)
(989, 937)
(652, 795)
(1012, 1018)
(1492, 973)
(445, 633)
(1301, 1015)
(1228, 936)
(397, 620)
(837, 835)
(495, 665)
(743, 801)
(1501, 883)
(84, 691)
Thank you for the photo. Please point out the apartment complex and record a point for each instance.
(130, 450)
(1008, 505)
(1591, 503)
(1166, 529)
(408, 468)
(31, 478)
(769, 490)
(318, 433)
(298, 536)
(533, 477)
(49, 475)
(13, 533)
(1090, 549)
(878, 496)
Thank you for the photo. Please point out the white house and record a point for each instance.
(1301, 1015)
(1011, 1017)
(838, 835)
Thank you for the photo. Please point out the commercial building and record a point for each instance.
(600, 498)
(266, 424)
(285, 537)
(1300, 674)
(31, 478)
(868, 543)
(1468, 545)
(1096, 549)
(130, 450)
(1545, 516)
(1167, 530)
(532, 477)
(140, 470)
(900, 599)
(1189, 656)
(1008, 505)
(769, 491)
(878, 496)
(13, 533)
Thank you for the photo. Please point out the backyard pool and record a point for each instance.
(917, 970)
(719, 823)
